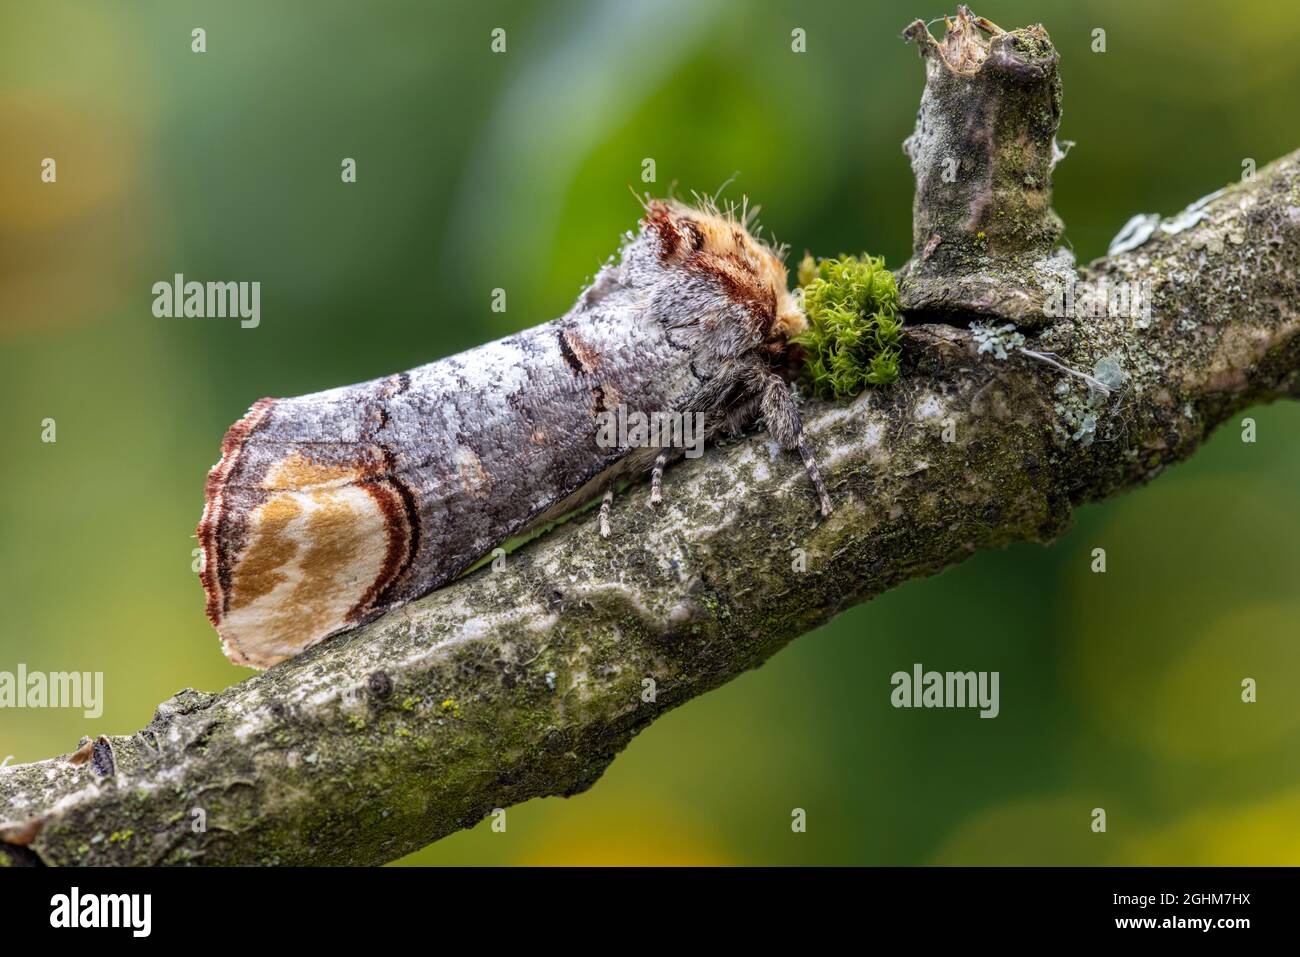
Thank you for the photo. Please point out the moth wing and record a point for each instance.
(328, 509)
(305, 524)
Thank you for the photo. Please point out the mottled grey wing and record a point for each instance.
(328, 509)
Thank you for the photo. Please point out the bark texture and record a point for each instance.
(983, 228)
(527, 679)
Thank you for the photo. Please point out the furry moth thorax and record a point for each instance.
(748, 272)
(327, 510)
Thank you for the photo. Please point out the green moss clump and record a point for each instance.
(853, 332)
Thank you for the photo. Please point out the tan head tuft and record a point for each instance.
(719, 242)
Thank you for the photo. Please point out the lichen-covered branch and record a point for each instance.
(527, 678)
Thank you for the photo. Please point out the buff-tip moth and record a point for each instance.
(327, 510)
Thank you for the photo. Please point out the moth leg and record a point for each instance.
(781, 416)
(657, 477)
(605, 503)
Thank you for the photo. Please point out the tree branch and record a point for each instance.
(526, 680)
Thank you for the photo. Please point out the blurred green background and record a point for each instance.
(478, 171)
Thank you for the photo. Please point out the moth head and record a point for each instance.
(719, 243)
